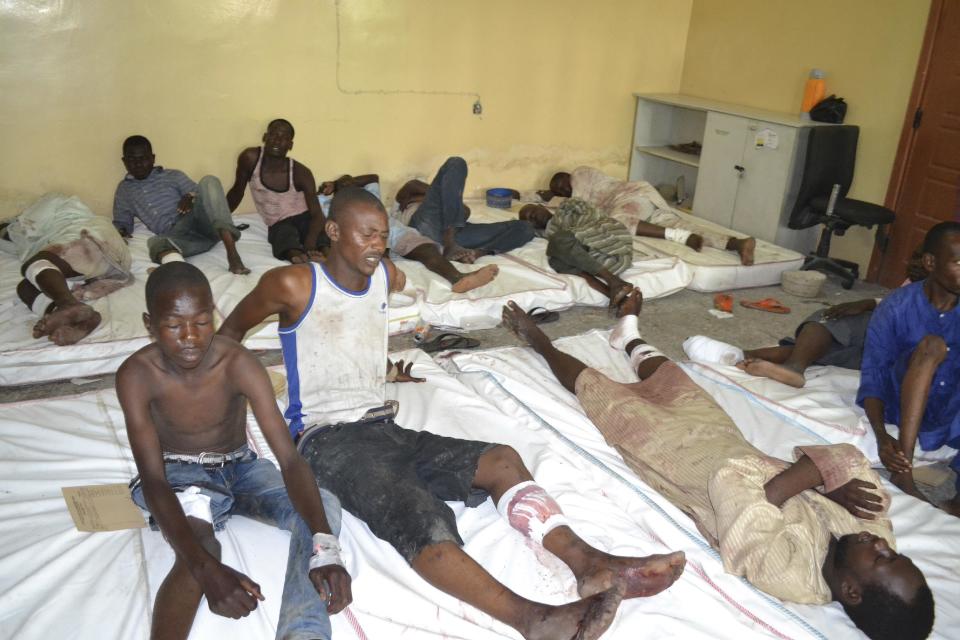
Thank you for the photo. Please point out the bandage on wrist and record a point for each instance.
(625, 332)
(40, 304)
(37, 267)
(677, 235)
(326, 551)
(530, 510)
(172, 256)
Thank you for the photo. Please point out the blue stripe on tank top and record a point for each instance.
(288, 346)
(349, 292)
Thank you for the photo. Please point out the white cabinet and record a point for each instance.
(747, 173)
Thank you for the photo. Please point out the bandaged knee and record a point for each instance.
(626, 331)
(326, 551)
(704, 349)
(195, 504)
(40, 304)
(172, 256)
(531, 511)
(677, 235)
(37, 267)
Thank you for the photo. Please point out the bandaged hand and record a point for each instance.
(327, 573)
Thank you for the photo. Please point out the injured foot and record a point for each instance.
(67, 325)
(456, 253)
(778, 372)
(517, 321)
(745, 247)
(634, 577)
(475, 279)
(585, 619)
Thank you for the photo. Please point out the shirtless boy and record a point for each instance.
(408, 242)
(184, 399)
(333, 323)
(282, 190)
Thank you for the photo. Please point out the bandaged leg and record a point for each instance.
(642, 353)
(37, 267)
(707, 349)
(195, 504)
(626, 331)
(531, 511)
(41, 304)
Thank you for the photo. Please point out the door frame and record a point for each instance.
(908, 133)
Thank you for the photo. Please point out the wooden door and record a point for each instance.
(928, 191)
(717, 177)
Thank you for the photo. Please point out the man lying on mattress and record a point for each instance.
(582, 241)
(184, 399)
(641, 208)
(437, 211)
(333, 328)
(911, 364)
(408, 242)
(69, 256)
(829, 337)
(764, 515)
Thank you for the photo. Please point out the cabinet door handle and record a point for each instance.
(739, 168)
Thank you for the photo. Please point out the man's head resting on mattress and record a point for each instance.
(179, 313)
(883, 592)
(560, 184)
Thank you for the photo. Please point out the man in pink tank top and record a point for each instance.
(283, 192)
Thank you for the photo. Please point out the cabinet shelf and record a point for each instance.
(671, 154)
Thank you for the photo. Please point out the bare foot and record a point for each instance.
(68, 325)
(778, 372)
(475, 279)
(235, 264)
(695, 242)
(745, 247)
(632, 305)
(906, 484)
(952, 506)
(635, 577)
(516, 320)
(585, 619)
(456, 253)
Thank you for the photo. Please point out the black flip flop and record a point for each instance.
(447, 341)
(540, 315)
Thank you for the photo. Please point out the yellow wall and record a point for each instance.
(759, 52)
(201, 78)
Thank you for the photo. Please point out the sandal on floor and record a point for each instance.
(771, 305)
(723, 302)
(447, 341)
(540, 315)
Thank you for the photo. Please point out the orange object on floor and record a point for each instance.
(723, 302)
(767, 304)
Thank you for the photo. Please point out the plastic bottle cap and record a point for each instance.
(817, 74)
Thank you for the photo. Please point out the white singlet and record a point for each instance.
(336, 352)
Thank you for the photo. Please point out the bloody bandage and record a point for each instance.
(531, 511)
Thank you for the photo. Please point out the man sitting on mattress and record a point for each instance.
(765, 516)
(184, 400)
(583, 242)
(641, 208)
(437, 211)
(283, 193)
(408, 242)
(911, 364)
(186, 217)
(69, 256)
(333, 328)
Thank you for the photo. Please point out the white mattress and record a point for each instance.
(719, 270)
(925, 533)
(57, 582)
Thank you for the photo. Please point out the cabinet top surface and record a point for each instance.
(705, 104)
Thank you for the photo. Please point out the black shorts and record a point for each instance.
(291, 233)
(396, 480)
(848, 333)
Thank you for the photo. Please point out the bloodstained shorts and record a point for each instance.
(396, 480)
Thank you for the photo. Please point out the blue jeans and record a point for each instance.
(198, 230)
(254, 488)
(442, 208)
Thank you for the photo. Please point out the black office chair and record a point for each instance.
(827, 174)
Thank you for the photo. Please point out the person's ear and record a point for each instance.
(146, 323)
(850, 592)
(263, 138)
(333, 230)
(929, 261)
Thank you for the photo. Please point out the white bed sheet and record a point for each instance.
(925, 533)
(57, 582)
(719, 270)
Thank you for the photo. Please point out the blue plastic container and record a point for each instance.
(499, 198)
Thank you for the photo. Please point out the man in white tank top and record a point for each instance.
(333, 324)
(283, 192)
